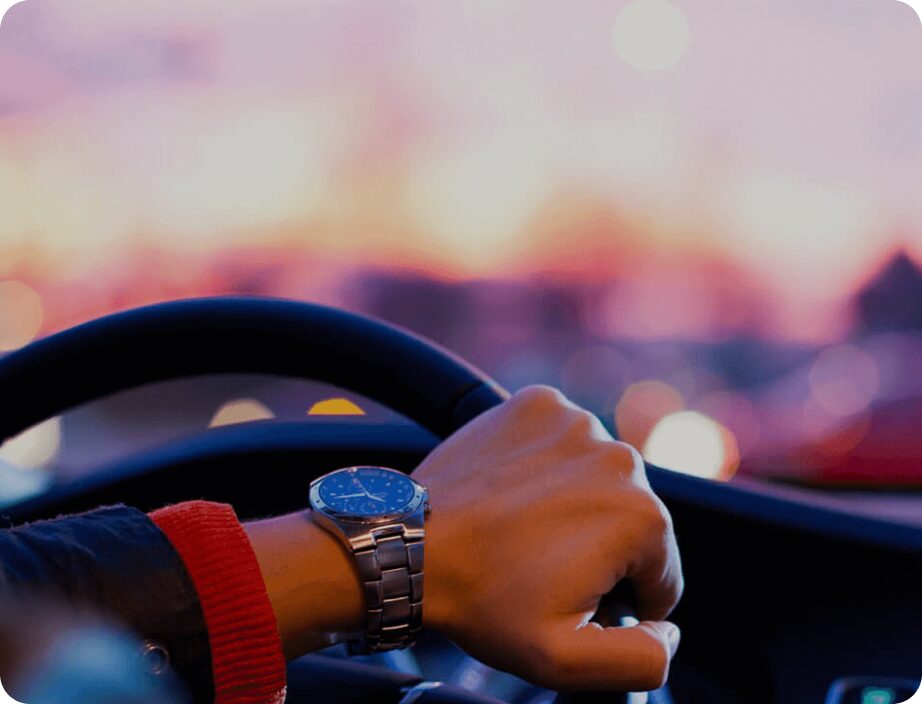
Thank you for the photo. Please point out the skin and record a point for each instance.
(537, 513)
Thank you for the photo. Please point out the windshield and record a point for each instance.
(701, 220)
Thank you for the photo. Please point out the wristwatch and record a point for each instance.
(379, 513)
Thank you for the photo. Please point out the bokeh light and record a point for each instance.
(738, 414)
(829, 223)
(691, 443)
(476, 202)
(606, 194)
(642, 406)
(335, 407)
(21, 315)
(844, 380)
(832, 445)
(243, 410)
(651, 35)
(35, 448)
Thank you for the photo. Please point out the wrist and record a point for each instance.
(311, 581)
(443, 581)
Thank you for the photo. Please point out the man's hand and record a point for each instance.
(537, 514)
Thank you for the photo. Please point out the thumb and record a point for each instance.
(617, 659)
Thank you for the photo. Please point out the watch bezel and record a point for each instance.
(419, 499)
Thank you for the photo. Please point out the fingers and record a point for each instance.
(657, 579)
(656, 598)
(625, 659)
(651, 558)
(653, 562)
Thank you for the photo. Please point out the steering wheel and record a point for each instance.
(275, 337)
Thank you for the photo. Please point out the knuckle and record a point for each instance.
(637, 460)
(665, 517)
(538, 398)
(618, 457)
(654, 516)
(679, 588)
(582, 425)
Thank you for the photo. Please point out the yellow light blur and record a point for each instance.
(642, 406)
(21, 315)
(336, 407)
(691, 443)
(475, 205)
(34, 448)
(651, 35)
(844, 380)
(244, 410)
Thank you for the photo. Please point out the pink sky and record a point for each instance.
(470, 138)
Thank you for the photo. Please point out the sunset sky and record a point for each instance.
(776, 141)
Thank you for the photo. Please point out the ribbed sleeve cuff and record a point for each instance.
(247, 659)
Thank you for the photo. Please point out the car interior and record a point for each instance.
(244, 244)
(790, 597)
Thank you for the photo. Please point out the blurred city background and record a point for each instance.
(701, 219)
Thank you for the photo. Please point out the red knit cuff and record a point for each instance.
(246, 650)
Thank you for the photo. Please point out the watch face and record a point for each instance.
(366, 491)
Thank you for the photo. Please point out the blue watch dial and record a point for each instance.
(367, 491)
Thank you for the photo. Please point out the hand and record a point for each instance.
(537, 514)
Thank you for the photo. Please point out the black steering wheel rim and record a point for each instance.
(411, 375)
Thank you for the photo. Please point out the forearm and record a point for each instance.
(311, 582)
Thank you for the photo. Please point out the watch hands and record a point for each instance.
(356, 496)
(364, 491)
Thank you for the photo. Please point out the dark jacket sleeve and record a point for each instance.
(118, 562)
